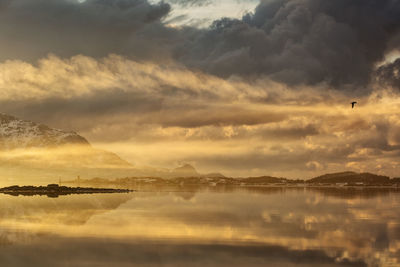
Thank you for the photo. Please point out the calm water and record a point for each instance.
(208, 227)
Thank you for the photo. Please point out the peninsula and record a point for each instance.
(54, 190)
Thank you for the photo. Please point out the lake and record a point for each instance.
(186, 226)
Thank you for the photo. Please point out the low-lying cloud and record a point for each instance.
(138, 109)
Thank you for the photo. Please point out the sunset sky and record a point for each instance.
(241, 87)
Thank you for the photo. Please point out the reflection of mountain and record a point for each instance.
(336, 192)
(354, 192)
(74, 209)
(31, 214)
(186, 195)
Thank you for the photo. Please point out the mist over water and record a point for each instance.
(216, 226)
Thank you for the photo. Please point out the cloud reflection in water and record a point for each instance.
(282, 227)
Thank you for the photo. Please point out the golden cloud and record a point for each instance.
(236, 126)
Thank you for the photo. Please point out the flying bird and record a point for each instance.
(353, 104)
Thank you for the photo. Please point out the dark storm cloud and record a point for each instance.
(299, 41)
(32, 29)
(295, 42)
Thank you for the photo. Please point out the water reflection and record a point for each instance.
(204, 226)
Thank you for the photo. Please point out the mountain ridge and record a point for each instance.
(361, 179)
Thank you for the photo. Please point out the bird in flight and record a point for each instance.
(353, 104)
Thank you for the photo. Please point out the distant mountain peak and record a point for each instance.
(18, 133)
(185, 168)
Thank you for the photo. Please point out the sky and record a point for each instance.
(244, 87)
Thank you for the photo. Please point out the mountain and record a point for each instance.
(186, 170)
(29, 150)
(214, 175)
(33, 151)
(17, 133)
(351, 177)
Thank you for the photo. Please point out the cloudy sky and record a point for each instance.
(242, 87)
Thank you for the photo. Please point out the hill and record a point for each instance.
(351, 177)
(186, 170)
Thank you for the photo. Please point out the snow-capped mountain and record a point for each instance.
(17, 133)
(30, 151)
